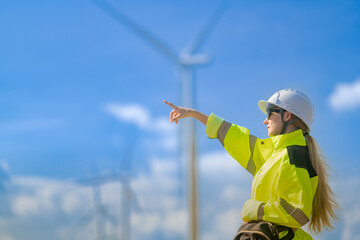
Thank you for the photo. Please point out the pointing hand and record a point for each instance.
(178, 112)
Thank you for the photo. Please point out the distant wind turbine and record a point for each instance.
(185, 62)
(99, 212)
(128, 197)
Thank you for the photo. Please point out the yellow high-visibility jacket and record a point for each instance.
(284, 181)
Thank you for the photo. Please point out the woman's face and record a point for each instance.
(274, 123)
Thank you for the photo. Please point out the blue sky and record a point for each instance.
(76, 87)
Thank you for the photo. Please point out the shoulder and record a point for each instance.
(300, 157)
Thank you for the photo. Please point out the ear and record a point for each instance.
(287, 116)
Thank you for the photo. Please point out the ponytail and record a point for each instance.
(324, 204)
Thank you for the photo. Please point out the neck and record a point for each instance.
(290, 128)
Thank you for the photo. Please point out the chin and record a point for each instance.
(271, 134)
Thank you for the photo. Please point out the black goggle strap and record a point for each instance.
(285, 123)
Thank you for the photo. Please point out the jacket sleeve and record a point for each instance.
(294, 192)
(236, 141)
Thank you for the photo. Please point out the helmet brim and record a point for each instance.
(262, 105)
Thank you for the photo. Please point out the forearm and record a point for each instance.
(201, 117)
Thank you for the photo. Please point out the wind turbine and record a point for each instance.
(128, 200)
(128, 196)
(99, 212)
(185, 62)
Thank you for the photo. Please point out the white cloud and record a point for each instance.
(175, 222)
(132, 113)
(37, 196)
(221, 164)
(346, 96)
(149, 224)
(26, 205)
(350, 207)
(141, 117)
(161, 167)
(72, 201)
(227, 222)
(224, 187)
(228, 186)
(352, 220)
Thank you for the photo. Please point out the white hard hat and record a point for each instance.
(292, 101)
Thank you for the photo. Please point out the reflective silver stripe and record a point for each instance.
(251, 164)
(296, 213)
(261, 211)
(223, 129)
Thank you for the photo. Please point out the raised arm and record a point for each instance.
(181, 112)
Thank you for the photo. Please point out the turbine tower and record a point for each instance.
(185, 62)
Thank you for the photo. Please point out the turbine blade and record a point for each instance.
(98, 179)
(133, 200)
(144, 34)
(196, 43)
(83, 220)
(111, 217)
(130, 195)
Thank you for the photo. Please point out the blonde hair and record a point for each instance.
(324, 204)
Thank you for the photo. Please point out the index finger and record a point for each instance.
(170, 104)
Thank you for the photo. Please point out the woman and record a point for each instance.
(290, 186)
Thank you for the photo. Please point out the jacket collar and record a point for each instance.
(284, 140)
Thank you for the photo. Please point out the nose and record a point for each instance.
(266, 121)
